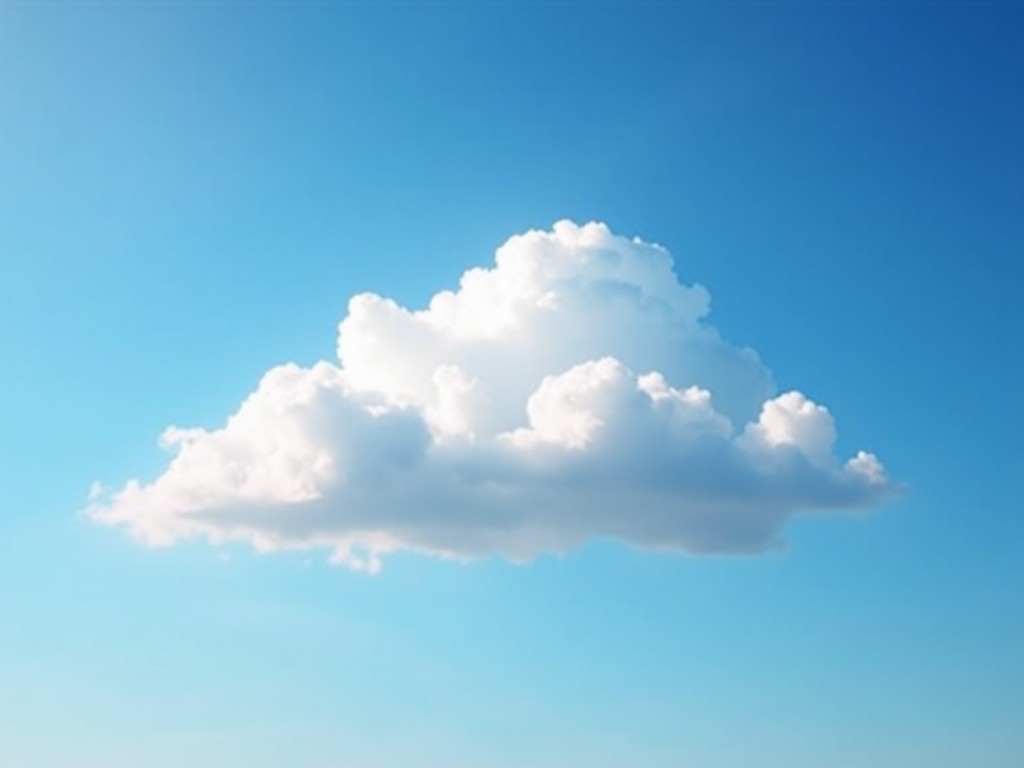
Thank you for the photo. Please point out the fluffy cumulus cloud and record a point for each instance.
(573, 390)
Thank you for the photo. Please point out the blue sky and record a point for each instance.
(191, 193)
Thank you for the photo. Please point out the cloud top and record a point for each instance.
(573, 390)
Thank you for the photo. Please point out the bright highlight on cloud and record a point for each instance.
(573, 390)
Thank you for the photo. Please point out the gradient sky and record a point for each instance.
(190, 193)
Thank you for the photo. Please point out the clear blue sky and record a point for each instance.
(190, 193)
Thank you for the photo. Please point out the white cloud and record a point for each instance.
(573, 390)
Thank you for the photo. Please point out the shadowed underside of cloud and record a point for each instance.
(573, 390)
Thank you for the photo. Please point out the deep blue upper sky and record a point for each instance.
(190, 193)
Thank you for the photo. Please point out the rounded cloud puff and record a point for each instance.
(573, 390)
